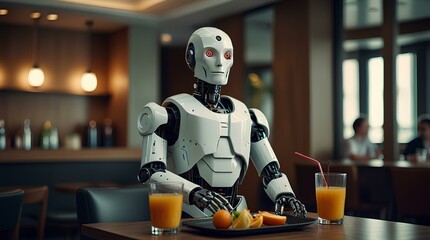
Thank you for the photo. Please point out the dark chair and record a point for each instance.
(96, 205)
(10, 213)
(412, 197)
(37, 195)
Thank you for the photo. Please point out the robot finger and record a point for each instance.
(218, 201)
(213, 207)
(229, 207)
(224, 203)
(278, 208)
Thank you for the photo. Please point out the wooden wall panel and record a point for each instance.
(119, 84)
(178, 78)
(234, 27)
(291, 83)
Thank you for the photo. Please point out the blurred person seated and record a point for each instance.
(422, 142)
(359, 147)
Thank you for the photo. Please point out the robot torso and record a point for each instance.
(218, 144)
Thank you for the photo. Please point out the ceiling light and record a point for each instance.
(89, 78)
(3, 12)
(35, 15)
(52, 17)
(166, 38)
(35, 75)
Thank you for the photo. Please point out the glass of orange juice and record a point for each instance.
(330, 194)
(165, 206)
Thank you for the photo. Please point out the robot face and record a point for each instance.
(210, 55)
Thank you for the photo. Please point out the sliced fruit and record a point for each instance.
(235, 215)
(222, 219)
(243, 221)
(272, 219)
(256, 222)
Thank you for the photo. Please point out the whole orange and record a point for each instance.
(222, 219)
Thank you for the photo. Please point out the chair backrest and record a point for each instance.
(38, 195)
(410, 189)
(112, 204)
(10, 211)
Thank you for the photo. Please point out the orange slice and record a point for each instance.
(270, 219)
(256, 222)
(243, 221)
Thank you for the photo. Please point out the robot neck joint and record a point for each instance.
(207, 93)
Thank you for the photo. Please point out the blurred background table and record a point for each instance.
(353, 228)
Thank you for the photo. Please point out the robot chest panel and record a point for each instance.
(205, 133)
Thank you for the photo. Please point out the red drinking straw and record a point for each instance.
(313, 160)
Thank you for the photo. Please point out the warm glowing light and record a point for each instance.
(36, 77)
(52, 17)
(3, 12)
(166, 38)
(89, 81)
(35, 15)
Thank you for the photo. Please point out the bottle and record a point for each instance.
(45, 135)
(107, 133)
(26, 136)
(53, 139)
(93, 137)
(2, 135)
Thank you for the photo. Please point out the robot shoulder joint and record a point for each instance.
(260, 119)
(150, 118)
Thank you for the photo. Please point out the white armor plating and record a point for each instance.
(218, 143)
(213, 52)
(278, 186)
(154, 148)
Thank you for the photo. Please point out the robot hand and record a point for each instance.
(211, 200)
(298, 208)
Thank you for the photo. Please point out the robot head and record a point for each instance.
(210, 55)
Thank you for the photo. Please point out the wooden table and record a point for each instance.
(353, 228)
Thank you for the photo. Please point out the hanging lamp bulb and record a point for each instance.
(89, 78)
(89, 81)
(36, 77)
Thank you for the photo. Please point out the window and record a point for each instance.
(406, 105)
(351, 105)
(376, 99)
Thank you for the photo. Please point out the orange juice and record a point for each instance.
(331, 202)
(166, 210)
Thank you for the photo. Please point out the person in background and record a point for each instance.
(359, 147)
(420, 142)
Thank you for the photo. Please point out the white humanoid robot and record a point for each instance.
(205, 140)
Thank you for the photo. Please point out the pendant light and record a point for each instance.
(89, 79)
(35, 75)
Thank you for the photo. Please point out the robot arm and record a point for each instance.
(154, 122)
(275, 183)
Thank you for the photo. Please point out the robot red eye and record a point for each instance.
(227, 55)
(209, 53)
